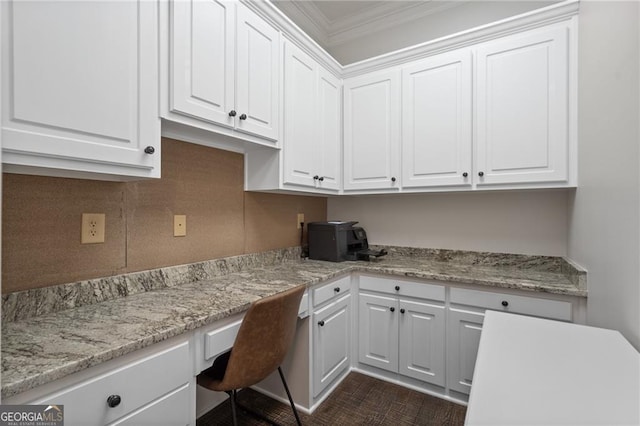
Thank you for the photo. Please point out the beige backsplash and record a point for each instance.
(41, 219)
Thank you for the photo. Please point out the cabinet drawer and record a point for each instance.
(170, 410)
(546, 308)
(137, 384)
(303, 310)
(220, 340)
(329, 291)
(403, 288)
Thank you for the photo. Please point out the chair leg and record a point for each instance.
(232, 397)
(286, 388)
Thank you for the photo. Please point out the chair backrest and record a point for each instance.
(263, 339)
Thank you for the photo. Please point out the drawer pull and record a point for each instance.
(149, 150)
(113, 400)
(392, 309)
(337, 289)
(505, 303)
(321, 323)
(397, 288)
(402, 311)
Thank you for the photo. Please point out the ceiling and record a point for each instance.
(334, 22)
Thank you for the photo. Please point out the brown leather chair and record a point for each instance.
(264, 337)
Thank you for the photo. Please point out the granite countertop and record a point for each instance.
(80, 325)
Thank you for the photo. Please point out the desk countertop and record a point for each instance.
(159, 304)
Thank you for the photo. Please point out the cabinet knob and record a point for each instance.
(232, 113)
(316, 177)
(321, 323)
(337, 289)
(402, 311)
(149, 150)
(397, 288)
(392, 309)
(113, 400)
(321, 178)
(480, 174)
(243, 116)
(393, 179)
(465, 174)
(505, 303)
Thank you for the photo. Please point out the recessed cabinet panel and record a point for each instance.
(329, 130)
(258, 53)
(522, 108)
(300, 140)
(203, 60)
(332, 343)
(463, 330)
(436, 121)
(80, 88)
(378, 342)
(372, 131)
(422, 341)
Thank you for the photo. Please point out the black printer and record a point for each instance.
(338, 241)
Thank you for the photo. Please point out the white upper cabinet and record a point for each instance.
(330, 129)
(80, 84)
(300, 143)
(203, 65)
(436, 121)
(224, 63)
(310, 157)
(372, 131)
(257, 74)
(522, 108)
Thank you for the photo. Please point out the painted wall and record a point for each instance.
(604, 215)
(527, 222)
(42, 218)
(462, 16)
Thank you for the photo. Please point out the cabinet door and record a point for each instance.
(80, 85)
(463, 339)
(300, 145)
(258, 67)
(331, 343)
(378, 329)
(522, 108)
(372, 131)
(202, 45)
(422, 341)
(329, 129)
(436, 121)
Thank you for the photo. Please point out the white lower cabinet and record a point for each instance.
(400, 335)
(464, 326)
(463, 338)
(331, 343)
(156, 386)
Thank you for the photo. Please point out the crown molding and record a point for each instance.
(266, 10)
(536, 18)
(308, 17)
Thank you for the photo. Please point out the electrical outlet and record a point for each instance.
(92, 228)
(180, 225)
(300, 220)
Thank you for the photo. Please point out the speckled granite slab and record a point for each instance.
(170, 301)
(40, 301)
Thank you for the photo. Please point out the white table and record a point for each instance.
(532, 371)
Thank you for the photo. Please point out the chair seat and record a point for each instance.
(212, 376)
